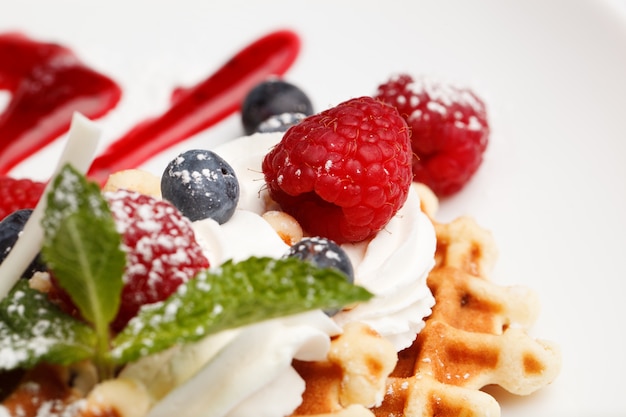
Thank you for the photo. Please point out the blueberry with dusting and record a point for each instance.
(272, 98)
(201, 185)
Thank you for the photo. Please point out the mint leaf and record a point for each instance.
(83, 248)
(235, 294)
(32, 330)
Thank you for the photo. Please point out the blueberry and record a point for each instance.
(280, 122)
(201, 185)
(10, 228)
(270, 98)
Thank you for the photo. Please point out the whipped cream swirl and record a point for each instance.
(393, 265)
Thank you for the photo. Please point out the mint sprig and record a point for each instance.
(83, 250)
(234, 295)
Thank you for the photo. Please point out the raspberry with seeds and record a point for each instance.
(343, 173)
(17, 194)
(161, 250)
(449, 130)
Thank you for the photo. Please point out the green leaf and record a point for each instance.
(235, 294)
(82, 247)
(32, 330)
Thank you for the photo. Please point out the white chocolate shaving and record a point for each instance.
(79, 151)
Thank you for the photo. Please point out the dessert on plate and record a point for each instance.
(295, 271)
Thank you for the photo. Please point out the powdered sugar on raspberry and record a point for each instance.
(445, 94)
(162, 251)
(449, 129)
(441, 97)
(148, 222)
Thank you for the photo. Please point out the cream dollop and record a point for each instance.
(393, 265)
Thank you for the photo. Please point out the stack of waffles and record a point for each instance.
(476, 336)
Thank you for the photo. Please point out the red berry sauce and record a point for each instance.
(199, 107)
(47, 83)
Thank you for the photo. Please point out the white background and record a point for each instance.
(551, 188)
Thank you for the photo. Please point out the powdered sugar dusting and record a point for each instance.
(443, 93)
(160, 245)
(434, 98)
(196, 177)
(28, 331)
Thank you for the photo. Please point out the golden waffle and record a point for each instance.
(476, 336)
(353, 377)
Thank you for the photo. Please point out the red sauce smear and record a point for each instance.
(197, 108)
(47, 83)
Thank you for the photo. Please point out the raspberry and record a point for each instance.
(162, 251)
(342, 173)
(17, 194)
(449, 130)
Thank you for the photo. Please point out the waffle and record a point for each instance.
(476, 336)
(353, 377)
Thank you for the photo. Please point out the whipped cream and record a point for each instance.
(393, 265)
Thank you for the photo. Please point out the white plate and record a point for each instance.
(551, 189)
